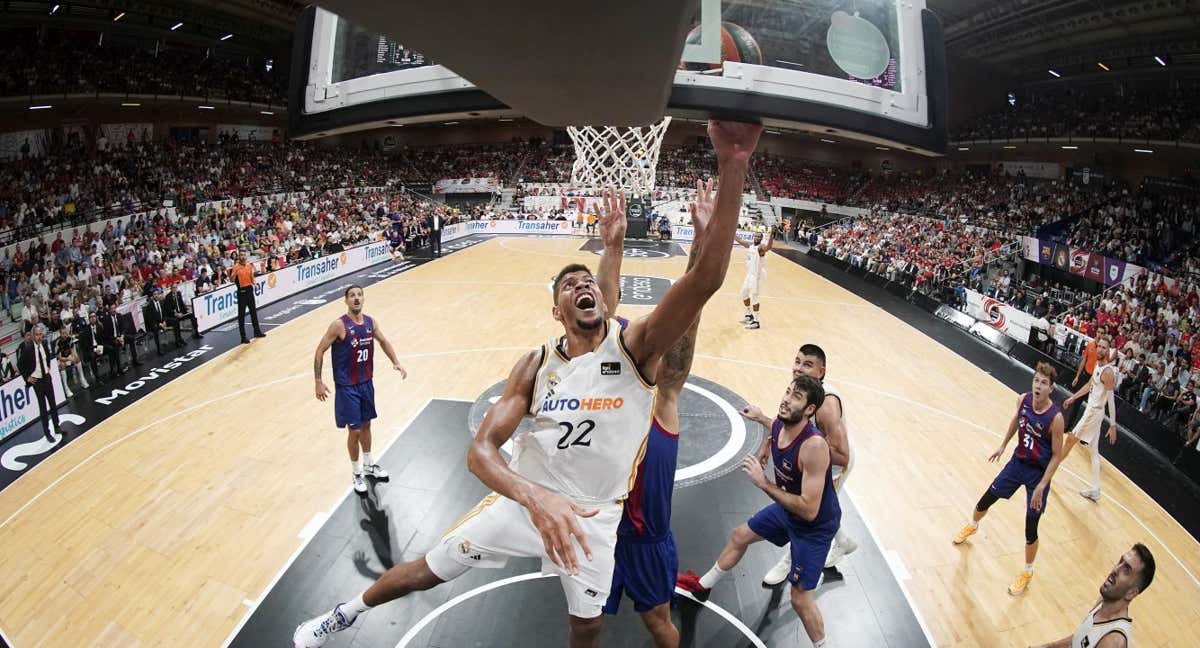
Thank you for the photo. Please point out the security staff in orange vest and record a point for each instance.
(242, 274)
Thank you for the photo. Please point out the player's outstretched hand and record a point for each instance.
(701, 209)
(612, 220)
(403, 373)
(555, 518)
(322, 391)
(733, 141)
(754, 470)
(753, 413)
(996, 455)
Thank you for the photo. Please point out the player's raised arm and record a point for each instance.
(612, 234)
(552, 514)
(332, 334)
(651, 336)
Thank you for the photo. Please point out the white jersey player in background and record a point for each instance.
(562, 493)
(1099, 388)
(756, 274)
(830, 419)
(1108, 625)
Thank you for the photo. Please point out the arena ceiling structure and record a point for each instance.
(1026, 39)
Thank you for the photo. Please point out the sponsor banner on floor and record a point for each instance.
(18, 405)
(1000, 316)
(220, 305)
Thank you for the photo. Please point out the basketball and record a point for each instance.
(737, 45)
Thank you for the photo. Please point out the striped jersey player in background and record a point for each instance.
(1039, 425)
(352, 338)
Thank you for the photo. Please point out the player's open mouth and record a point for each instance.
(585, 302)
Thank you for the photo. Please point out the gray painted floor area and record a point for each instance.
(430, 490)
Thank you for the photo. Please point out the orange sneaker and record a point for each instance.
(1020, 583)
(967, 532)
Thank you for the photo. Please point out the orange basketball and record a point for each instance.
(737, 45)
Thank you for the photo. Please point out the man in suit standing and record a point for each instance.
(435, 235)
(34, 364)
(242, 275)
(88, 331)
(176, 309)
(154, 315)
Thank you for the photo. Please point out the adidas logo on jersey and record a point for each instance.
(610, 368)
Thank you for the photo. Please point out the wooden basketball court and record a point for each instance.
(164, 525)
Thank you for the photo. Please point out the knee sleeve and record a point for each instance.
(1031, 526)
(986, 501)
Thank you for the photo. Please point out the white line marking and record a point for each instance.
(314, 525)
(303, 545)
(482, 589)
(997, 435)
(732, 445)
(134, 433)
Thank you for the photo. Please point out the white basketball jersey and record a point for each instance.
(591, 417)
(755, 263)
(831, 390)
(1096, 398)
(1089, 633)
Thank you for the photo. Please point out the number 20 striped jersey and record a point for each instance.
(592, 415)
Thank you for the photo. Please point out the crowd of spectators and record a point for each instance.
(44, 61)
(88, 270)
(1143, 226)
(1164, 113)
(79, 184)
(783, 177)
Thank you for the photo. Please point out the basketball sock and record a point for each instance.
(367, 460)
(1096, 465)
(357, 465)
(973, 524)
(708, 580)
(357, 606)
(1028, 568)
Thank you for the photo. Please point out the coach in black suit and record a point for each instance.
(88, 330)
(176, 309)
(34, 365)
(115, 336)
(155, 318)
(434, 223)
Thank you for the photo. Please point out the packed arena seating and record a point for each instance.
(1141, 226)
(1094, 112)
(61, 62)
(914, 250)
(783, 177)
(74, 186)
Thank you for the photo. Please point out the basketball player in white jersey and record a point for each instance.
(831, 420)
(1099, 390)
(561, 495)
(756, 273)
(1108, 624)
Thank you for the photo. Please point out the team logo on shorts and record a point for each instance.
(610, 368)
(794, 577)
(592, 593)
(465, 548)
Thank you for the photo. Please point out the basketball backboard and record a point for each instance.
(872, 70)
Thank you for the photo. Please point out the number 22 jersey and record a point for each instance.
(592, 415)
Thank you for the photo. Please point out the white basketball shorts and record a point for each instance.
(1087, 430)
(498, 529)
(751, 285)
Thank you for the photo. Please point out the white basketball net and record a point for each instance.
(617, 156)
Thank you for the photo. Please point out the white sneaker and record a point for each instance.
(780, 571)
(747, 318)
(70, 394)
(315, 632)
(1092, 494)
(360, 484)
(753, 324)
(840, 550)
(375, 471)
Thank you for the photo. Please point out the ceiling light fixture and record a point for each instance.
(226, 37)
(1056, 75)
(1160, 60)
(1102, 66)
(177, 26)
(119, 16)
(1069, 148)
